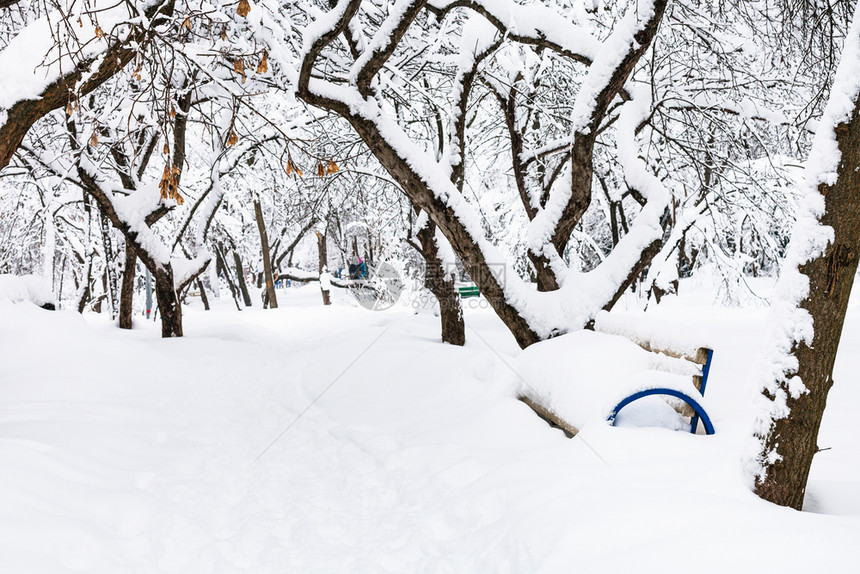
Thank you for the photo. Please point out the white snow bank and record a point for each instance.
(26, 288)
(582, 376)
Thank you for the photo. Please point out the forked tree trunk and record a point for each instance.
(441, 285)
(221, 268)
(267, 260)
(322, 249)
(126, 296)
(790, 442)
(240, 273)
(168, 303)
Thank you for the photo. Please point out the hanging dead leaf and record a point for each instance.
(169, 184)
(320, 169)
(80, 23)
(99, 32)
(332, 167)
(232, 139)
(263, 66)
(224, 33)
(239, 67)
(172, 112)
(164, 184)
(243, 8)
(166, 149)
(94, 140)
(70, 109)
(186, 24)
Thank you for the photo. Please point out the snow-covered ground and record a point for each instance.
(334, 439)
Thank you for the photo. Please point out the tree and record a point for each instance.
(813, 292)
(358, 94)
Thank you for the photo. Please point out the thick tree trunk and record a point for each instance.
(240, 273)
(168, 303)
(126, 297)
(322, 249)
(790, 443)
(442, 286)
(267, 260)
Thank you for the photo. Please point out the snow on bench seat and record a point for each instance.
(581, 377)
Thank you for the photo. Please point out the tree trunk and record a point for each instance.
(203, 297)
(168, 303)
(790, 441)
(87, 281)
(221, 267)
(110, 267)
(267, 260)
(126, 297)
(442, 286)
(322, 249)
(240, 273)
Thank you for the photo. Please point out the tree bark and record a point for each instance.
(221, 267)
(203, 297)
(267, 260)
(322, 249)
(126, 297)
(240, 273)
(793, 436)
(168, 302)
(442, 286)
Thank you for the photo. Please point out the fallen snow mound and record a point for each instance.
(26, 288)
(582, 376)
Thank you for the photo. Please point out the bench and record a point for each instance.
(593, 375)
(469, 291)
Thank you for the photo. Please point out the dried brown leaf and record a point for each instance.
(263, 66)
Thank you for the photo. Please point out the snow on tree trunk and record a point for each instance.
(322, 250)
(813, 291)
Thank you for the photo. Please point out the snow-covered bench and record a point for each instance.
(590, 376)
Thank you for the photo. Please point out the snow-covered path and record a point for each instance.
(122, 452)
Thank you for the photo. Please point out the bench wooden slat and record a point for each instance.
(549, 416)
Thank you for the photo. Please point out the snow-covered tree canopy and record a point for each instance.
(566, 151)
